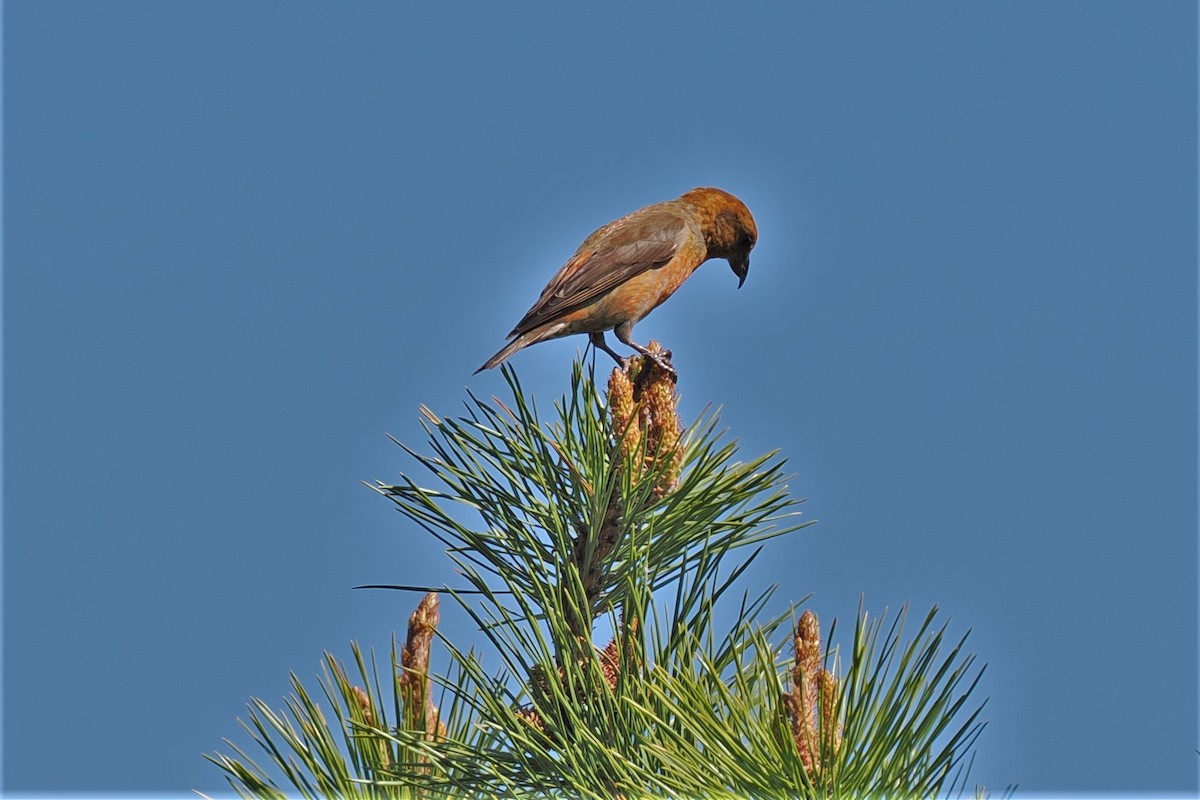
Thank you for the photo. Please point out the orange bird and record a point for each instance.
(624, 270)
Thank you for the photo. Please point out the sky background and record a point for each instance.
(243, 241)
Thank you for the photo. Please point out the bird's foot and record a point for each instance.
(661, 359)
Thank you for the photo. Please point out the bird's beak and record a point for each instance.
(740, 266)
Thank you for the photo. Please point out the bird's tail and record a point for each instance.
(552, 330)
(506, 351)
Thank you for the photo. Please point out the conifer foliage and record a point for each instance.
(612, 516)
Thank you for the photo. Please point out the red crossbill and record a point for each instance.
(624, 270)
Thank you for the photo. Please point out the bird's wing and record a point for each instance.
(644, 240)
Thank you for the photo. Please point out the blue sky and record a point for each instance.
(242, 243)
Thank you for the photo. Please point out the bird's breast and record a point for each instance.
(641, 294)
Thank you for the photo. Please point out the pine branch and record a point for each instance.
(613, 511)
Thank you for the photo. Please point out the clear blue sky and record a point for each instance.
(243, 241)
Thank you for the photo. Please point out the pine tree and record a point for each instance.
(614, 516)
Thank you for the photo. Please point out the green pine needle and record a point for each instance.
(555, 530)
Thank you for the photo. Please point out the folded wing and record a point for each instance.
(644, 240)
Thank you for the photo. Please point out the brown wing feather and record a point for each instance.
(644, 240)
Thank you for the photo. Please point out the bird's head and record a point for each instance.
(729, 229)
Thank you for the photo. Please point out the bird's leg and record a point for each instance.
(624, 332)
(597, 340)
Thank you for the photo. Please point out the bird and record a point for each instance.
(627, 268)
